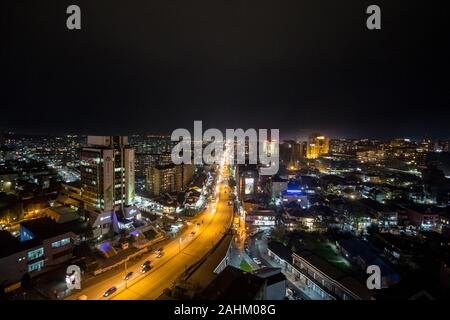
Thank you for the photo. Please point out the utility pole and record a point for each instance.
(126, 274)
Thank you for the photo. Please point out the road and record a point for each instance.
(152, 286)
(179, 254)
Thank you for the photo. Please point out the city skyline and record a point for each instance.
(298, 135)
(242, 156)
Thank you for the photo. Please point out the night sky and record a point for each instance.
(143, 66)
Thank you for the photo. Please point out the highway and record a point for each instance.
(179, 254)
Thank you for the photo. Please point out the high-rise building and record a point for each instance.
(152, 144)
(270, 148)
(107, 177)
(168, 178)
(188, 174)
(291, 153)
(247, 181)
(317, 146)
(143, 160)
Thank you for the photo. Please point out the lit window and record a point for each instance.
(34, 254)
(36, 266)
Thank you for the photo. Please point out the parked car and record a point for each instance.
(110, 291)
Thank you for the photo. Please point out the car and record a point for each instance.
(110, 291)
(159, 255)
(192, 233)
(129, 275)
(146, 263)
(257, 261)
(145, 268)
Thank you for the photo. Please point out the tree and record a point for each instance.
(231, 183)
(279, 234)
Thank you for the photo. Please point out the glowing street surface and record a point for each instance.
(178, 254)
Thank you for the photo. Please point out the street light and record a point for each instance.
(126, 274)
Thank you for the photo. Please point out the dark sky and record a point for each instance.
(143, 66)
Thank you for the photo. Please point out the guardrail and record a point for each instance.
(128, 258)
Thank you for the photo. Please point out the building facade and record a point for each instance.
(168, 178)
(107, 178)
(318, 145)
(42, 243)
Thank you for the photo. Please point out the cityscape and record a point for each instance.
(140, 227)
(195, 159)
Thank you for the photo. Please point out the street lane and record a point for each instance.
(179, 254)
(152, 286)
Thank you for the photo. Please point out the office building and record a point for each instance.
(318, 145)
(42, 243)
(247, 181)
(168, 178)
(107, 180)
(291, 153)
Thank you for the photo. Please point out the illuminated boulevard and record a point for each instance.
(179, 254)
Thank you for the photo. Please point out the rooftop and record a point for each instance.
(10, 244)
(334, 273)
(233, 283)
(280, 250)
(321, 264)
(43, 228)
(262, 213)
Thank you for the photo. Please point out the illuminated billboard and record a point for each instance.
(249, 182)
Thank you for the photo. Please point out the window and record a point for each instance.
(60, 243)
(36, 266)
(34, 254)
